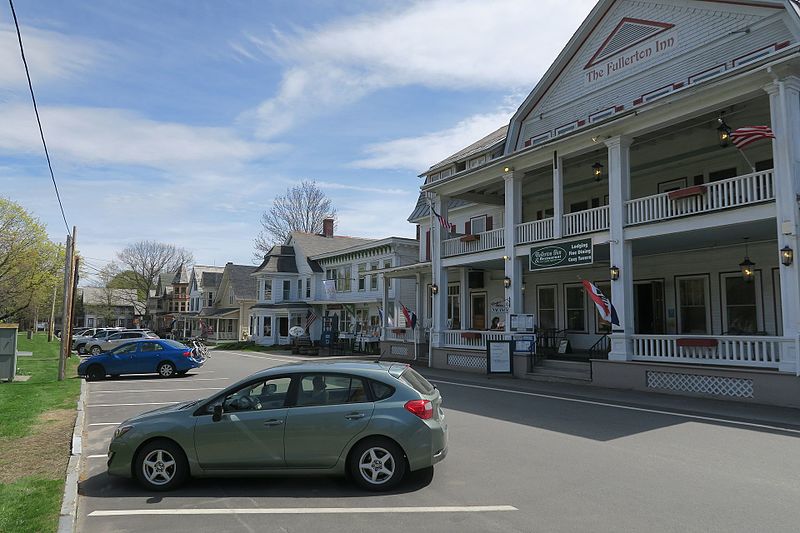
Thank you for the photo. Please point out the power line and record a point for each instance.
(36, 110)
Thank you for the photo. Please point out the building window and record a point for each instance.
(575, 307)
(741, 305)
(373, 279)
(299, 288)
(693, 309)
(267, 290)
(308, 287)
(210, 299)
(287, 289)
(343, 278)
(267, 329)
(454, 306)
(546, 306)
(387, 263)
(230, 297)
(477, 224)
(362, 276)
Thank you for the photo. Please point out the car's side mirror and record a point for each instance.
(217, 416)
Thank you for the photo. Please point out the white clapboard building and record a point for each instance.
(621, 168)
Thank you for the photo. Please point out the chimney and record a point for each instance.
(327, 227)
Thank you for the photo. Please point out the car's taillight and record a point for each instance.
(421, 408)
(187, 353)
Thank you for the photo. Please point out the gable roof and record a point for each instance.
(181, 275)
(244, 286)
(210, 280)
(280, 259)
(205, 272)
(114, 297)
(312, 244)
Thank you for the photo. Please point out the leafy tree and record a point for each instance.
(302, 208)
(30, 263)
(143, 261)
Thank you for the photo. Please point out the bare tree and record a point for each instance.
(302, 208)
(143, 261)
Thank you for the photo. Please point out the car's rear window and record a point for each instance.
(416, 381)
(381, 391)
(175, 344)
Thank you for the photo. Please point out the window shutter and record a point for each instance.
(488, 223)
(467, 227)
(428, 245)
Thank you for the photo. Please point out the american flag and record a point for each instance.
(311, 317)
(441, 218)
(746, 135)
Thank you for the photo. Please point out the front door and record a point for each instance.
(250, 433)
(478, 300)
(649, 305)
(330, 411)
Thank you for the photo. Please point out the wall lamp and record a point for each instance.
(723, 131)
(614, 272)
(597, 171)
(434, 289)
(506, 282)
(787, 256)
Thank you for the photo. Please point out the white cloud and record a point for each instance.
(106, 136)
(453, 44)
(51, 56)
(360, 188)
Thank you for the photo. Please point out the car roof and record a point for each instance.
(354, 367)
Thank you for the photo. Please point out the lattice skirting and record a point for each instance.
(399, 351)
(466, 361)
(715, 385)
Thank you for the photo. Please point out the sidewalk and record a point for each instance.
(729, 409)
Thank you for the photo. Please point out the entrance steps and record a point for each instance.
(561, 371)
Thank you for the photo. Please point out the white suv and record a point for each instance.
(96, 346)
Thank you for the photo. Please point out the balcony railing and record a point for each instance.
(587, 221)
(398, 334)
(472, 339)
(479, 242)
(733, 192)
(731, 350)
(535, 231)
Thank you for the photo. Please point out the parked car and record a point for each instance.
(376, 421)
(99, 345)
(151, 356)
(79, 340)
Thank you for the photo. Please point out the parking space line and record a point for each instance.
(677, 414)
(131, 381)
(105, 424)
(153, 390)
(130, 404)
(98, 456)
(310, 510)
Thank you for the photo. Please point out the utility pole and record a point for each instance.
(73, 296)
(65, 318)
(51, 325)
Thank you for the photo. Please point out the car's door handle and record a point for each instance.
(273, 422)
(354, 416)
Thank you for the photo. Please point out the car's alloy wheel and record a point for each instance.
(161, 465)
(166, 370)
(158, 467)
(378, 465)
(95, 373)
(96, 350)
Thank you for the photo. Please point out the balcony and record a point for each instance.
(535, 231)
(730, 350)
(724, 194)
(478, 242)
(587, 221)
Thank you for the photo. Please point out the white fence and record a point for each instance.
(732, 192)
(487, 240)
(732, 350)
(398, 334)
(587, 221)
(535, 231)
(475, 340)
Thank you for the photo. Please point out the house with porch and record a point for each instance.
(107, 307)
(204, 281)
(329, 284)
(226, 319)
(621, 167)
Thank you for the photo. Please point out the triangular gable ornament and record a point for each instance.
(627, 34)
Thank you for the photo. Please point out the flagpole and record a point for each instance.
(752, 167)
(433, 304)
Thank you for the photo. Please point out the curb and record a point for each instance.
(69, 504)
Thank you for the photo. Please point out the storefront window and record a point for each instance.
(546, 302)
(741, 309)
(693, 306)
(575, 301)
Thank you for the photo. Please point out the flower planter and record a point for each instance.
(687, 192)
(470, 335)
(399, 331)
(470, 238)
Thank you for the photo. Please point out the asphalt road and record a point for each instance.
(533, 458)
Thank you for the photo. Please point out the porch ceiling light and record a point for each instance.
(723, 131)
(506, 282)
(597, 171)
(614, 273)
(434, 289)
(746, 266)
(787, 256)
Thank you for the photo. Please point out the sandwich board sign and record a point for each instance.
(498, 357)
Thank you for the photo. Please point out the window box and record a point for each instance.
(697, 343)
(470, 335)
(687, 192)
(470, 238)
(399, 331)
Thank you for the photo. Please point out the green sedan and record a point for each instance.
(373, 421)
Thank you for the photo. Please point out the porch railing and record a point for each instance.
(732, 350)
(471, 339)
(398, 334)
(479, 242)
(733, 192)
(587, 221)
(534, 231)
(226, 335)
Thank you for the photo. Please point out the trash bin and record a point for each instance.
(8, 351)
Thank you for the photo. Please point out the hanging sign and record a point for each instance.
(564, 254)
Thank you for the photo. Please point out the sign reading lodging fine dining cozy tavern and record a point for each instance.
(564, 254)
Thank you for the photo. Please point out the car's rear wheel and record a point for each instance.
(96, 350)
(95, 373)
(166, 369)
(81, 349)
(161, 465)
(377, 464)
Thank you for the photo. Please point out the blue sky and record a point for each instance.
(180, 121)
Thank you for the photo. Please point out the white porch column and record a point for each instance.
(619, 181)
(558, 196)
(420, 304)
(385, 307)
(511, 217)
(463, 299)
(439, 272)
(784, 103)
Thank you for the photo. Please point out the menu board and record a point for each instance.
(520, 322)
(498, 357)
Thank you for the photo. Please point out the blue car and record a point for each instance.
(164, 357)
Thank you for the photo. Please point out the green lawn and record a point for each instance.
(32, 503)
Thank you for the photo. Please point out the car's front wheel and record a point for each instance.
(96, 350)
(95, 373)
(166, 370)
(81, 349)
(161, 465)
(377, 464)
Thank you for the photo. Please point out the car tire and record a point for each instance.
(96, 350)
(95, 373)
(377, 464)
(166, 370)
(161, 465)
(81, 349)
